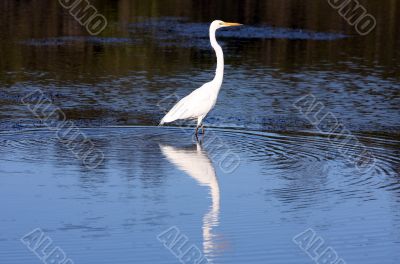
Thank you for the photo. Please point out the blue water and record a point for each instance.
(262, 178)
(156, 178)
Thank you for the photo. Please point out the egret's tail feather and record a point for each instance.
(166, 119)
(179, 111)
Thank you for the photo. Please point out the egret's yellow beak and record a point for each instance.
(229, 24)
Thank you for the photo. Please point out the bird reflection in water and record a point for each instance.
(197, 164)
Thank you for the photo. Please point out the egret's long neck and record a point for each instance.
(219, 74)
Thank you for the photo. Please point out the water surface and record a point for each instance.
(153, 49)
(117, 86)
(284, 184)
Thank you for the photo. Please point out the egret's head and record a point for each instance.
(220, 24)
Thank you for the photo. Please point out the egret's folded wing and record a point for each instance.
(179, 111)
(190, 106)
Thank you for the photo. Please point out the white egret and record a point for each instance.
(197, 104)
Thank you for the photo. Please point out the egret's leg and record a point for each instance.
(199, 123)
(197, 132)
(203, 130)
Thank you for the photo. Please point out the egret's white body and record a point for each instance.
(197, 104)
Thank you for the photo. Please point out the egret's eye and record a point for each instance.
(221, 23)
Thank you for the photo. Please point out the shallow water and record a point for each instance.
(288, 177)
(154, 178)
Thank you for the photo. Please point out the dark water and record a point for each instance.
(153, 49)
(289, 177)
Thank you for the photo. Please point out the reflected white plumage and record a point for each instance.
(198, 165)
(197, 104)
